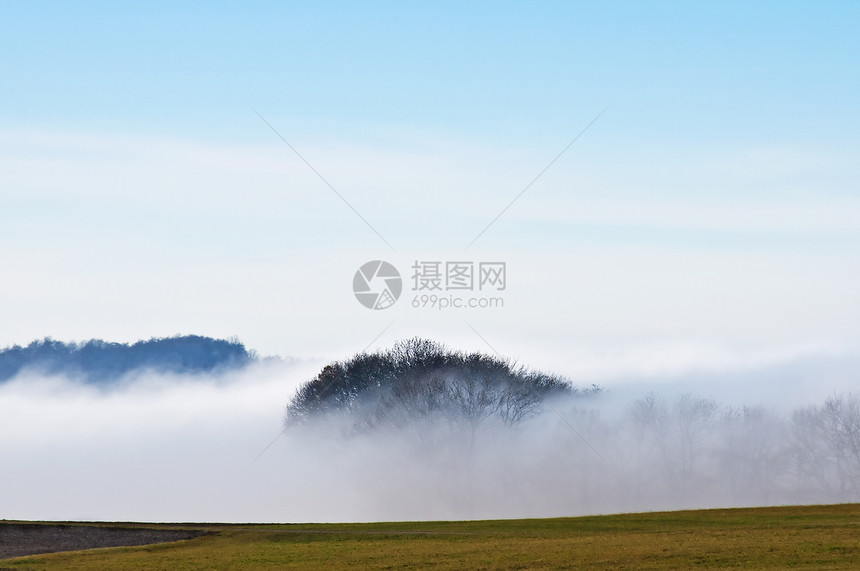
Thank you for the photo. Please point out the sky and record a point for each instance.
(225, 168)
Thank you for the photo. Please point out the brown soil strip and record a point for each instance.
(17, 539)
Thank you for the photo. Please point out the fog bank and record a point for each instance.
(176, 448)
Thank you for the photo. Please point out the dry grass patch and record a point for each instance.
(802, 537)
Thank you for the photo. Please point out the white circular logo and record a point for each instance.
(377, 285)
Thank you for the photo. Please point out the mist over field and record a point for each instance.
(657, 199)
(184, 447)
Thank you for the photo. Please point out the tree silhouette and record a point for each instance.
(98, 361)
(419, 379)
(827, 446)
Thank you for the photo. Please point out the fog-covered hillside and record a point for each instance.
(98, 361)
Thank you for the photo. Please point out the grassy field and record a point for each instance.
(759, 538)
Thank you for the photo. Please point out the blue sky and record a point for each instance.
(713, 208)
(732, 71)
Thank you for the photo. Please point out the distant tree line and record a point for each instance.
(419, 380)
(657, 451)
(98, 361)
(747, 454)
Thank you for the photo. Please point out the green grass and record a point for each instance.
(802, 537)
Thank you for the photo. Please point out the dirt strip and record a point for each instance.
(17, 539)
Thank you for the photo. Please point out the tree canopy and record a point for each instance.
(98, 361)
(421, 379)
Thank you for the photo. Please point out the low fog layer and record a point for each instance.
(182, 448)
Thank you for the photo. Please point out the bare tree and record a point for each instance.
(827, 448)
(676, 433)
(419, 380)
(841, 419)
(753, 454)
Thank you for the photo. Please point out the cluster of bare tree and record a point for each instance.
(479, 431)
(103, 362)
(422, 382)
(827, 447)
(749, 454)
